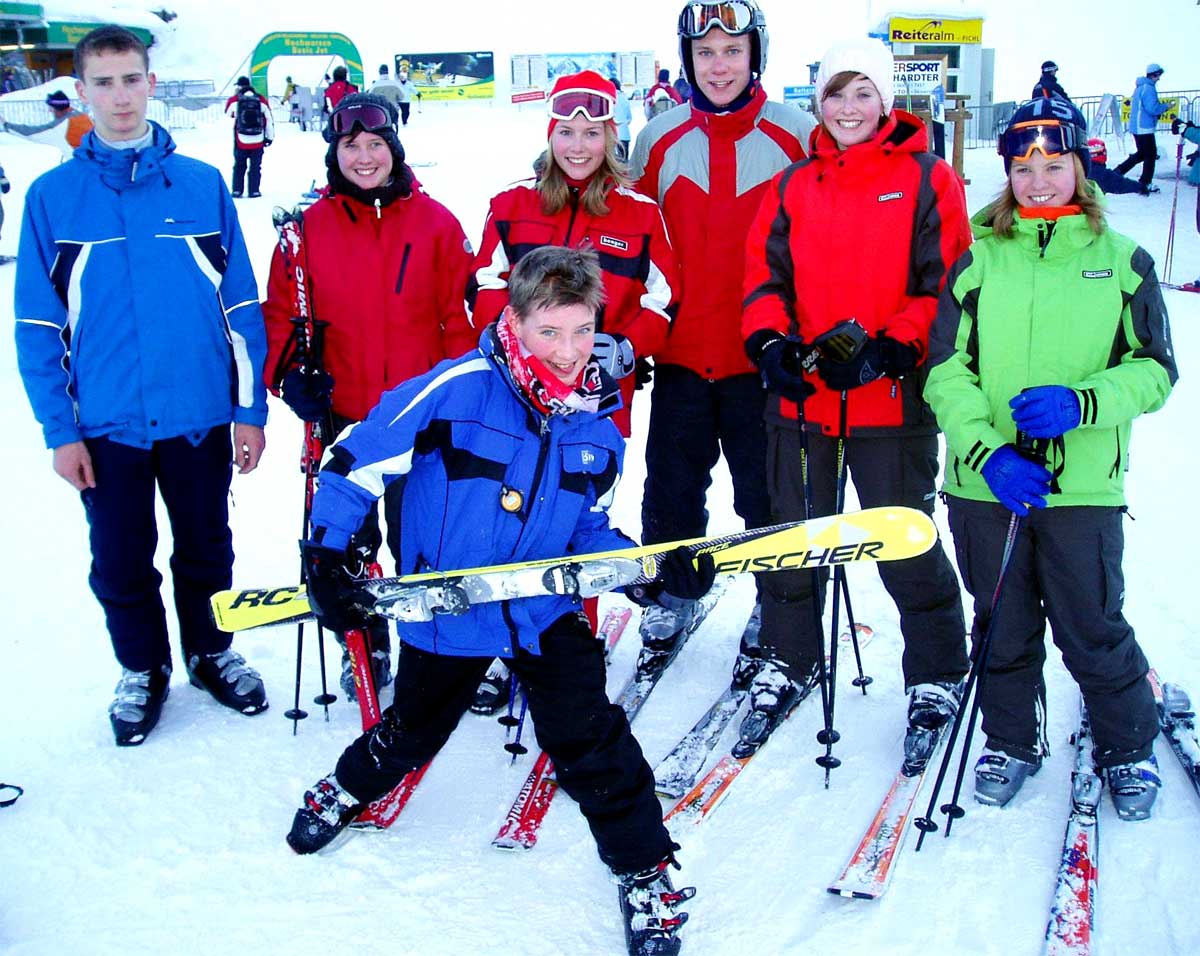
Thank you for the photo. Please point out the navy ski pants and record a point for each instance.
(193, 480)
(596, 758)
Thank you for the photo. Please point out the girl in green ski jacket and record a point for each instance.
(1050, 338)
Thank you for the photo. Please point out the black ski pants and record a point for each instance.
(596, 758)
(240, 159)
(887, 470)
(404, 108)
(193, 479)
(693, 421)
(1066, 569)
(1147, 155)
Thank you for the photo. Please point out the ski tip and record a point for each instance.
(513, 843)
(849, 894)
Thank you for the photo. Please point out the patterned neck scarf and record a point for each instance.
(548, 393)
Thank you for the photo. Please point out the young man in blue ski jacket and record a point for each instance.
(1144, 110)
(140, 340)
(507, 454)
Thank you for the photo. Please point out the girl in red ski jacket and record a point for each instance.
(387, 269)
(581, 197)
(865, 229)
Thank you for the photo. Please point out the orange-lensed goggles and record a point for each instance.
(1049, 137)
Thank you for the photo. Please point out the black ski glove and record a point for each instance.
(682, 578)
(643, 372)
(780, 360)
(333, 591)
(880, 356)
(308, 394)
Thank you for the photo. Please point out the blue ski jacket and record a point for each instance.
(1144, 106)
(487, 480)
(137, 312)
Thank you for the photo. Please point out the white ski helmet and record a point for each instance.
(735, 17)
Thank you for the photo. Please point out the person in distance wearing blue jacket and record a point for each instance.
(140, 340)
(507, 454)
(1144, 110)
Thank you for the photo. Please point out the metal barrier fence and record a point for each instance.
(987, 122)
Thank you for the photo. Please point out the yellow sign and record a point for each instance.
(920, 30)
(1165, 119)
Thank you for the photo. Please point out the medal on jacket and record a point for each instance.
(511, 500)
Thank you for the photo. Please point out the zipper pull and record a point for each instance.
(378, 209)
(133, 171)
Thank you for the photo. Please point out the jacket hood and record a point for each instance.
(901, 132)
(1143, 81)
(120, 168)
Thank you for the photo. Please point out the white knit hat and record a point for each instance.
(867, 56)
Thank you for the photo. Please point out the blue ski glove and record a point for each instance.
(682, 578)
(780, 361)
(308, 394)
(1046, 411)
(333, 591)
(614, 353)
(880, 356)
(1018, 483)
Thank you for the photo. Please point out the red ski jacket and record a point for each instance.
(867, 233)
(708, 172)
(335, 91)
(640, 272)
(390, 283)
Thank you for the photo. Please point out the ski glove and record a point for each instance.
(1046, 411)
(614, 353)
(308, 394)
(333, 592)
(880, 356)
(780, 360)
(643, 372)
(682, 578)
(1018, 483)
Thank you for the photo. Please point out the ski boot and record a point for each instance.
(1134, 787)
(327, 811)
(648, 902)
(661, 629)
(229, 679)
(494, 690)
(773, 695)
(998, 777)
(138, 702)
(930, 708)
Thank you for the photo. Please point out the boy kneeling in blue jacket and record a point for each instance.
(507, 454)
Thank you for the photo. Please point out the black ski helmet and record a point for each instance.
(756, 29)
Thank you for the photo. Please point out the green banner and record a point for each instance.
(304, 44)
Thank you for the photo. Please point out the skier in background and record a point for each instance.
(5, 186)
(253, 132)
(393, 316)
(341, 86)
(408, 89)
(1046, 438)
(622, 116)
(1048, 84)
(1144, 111)
(806, 273)
(1109, 180)
(708, 166)
(471, 442)
(65, 129)
(661, 96)
(141, 247)
(386, 87)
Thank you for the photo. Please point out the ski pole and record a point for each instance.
(926, 824)
(1169, 255)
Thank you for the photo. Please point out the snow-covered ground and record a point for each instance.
(177, 846)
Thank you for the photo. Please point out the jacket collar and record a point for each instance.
(123, 168)
(733, 125)
(902, 132)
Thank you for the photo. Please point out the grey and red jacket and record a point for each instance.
(867, 233)
(708, 172)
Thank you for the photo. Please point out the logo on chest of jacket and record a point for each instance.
(587, 457)
(1097, 273)
(614, 243)
(888, 197)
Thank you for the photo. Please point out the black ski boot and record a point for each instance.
(773, 695)
(230, 680)
(327, 811)
(931, 707)
(138, 702)
(494, 690)
(648, 902)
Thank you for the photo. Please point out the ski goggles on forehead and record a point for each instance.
(370, 117)
(733, 16)
(565, 104)
(1050, 137)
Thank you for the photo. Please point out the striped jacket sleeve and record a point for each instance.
(244, 318)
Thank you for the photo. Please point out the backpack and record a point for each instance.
(250, 120)
(660, 102)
